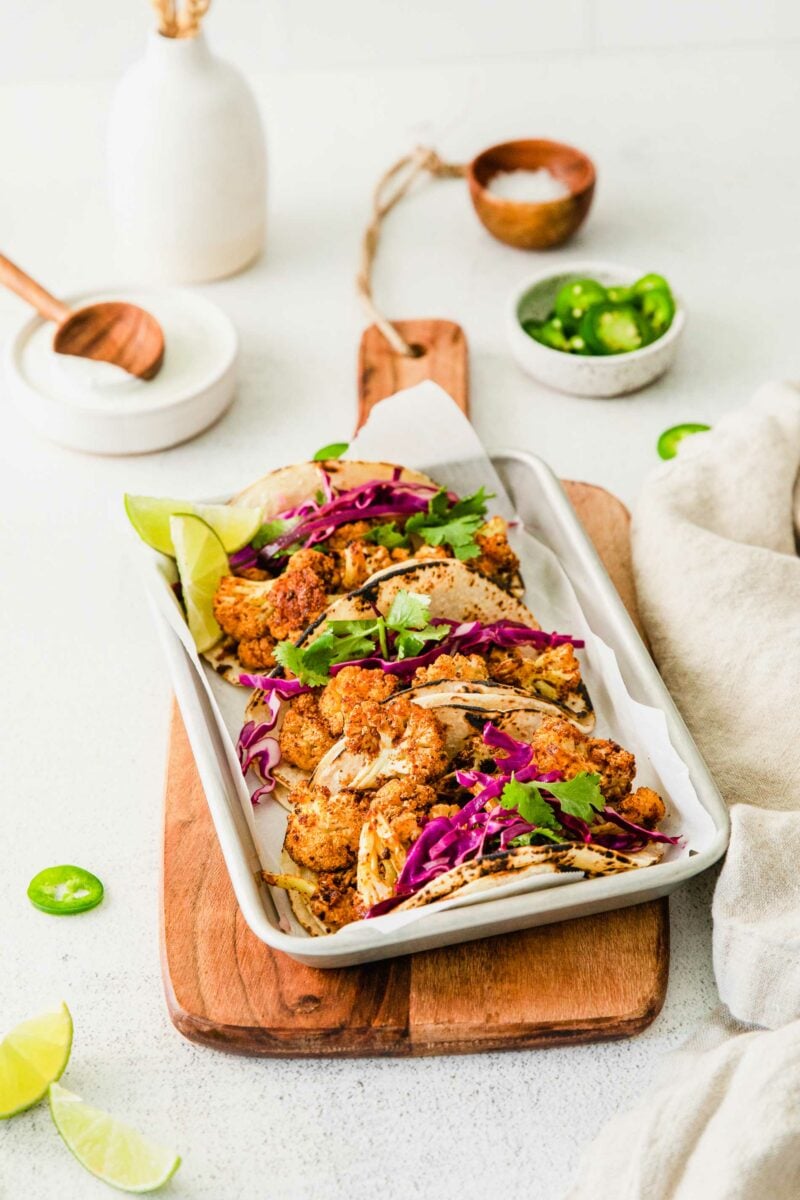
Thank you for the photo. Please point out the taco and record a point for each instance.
(416, 804)
(327, 528)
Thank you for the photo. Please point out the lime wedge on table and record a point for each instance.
(202, 562)
(112, 1151)
(33, 1056)
(234, 524)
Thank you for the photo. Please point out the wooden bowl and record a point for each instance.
(532, 226)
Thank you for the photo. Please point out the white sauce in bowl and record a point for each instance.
(197, 343)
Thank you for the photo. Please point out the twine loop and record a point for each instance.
(393, 185)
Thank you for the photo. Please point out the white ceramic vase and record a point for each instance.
(186, 165)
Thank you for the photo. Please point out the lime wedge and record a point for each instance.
(202, 562)
(234, 524)
(108, 1149)
(32, 1056)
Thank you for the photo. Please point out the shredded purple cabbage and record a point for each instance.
(314, 523)
(285, 688)
(255, 747)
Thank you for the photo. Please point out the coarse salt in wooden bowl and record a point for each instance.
(525, 224)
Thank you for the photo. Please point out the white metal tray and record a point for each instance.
(547, 514)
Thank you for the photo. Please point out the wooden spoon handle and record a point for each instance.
(45, 304)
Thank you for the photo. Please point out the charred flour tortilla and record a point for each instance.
(494, 870)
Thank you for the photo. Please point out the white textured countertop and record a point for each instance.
(697, 179)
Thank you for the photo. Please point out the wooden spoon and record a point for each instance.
(112, 331)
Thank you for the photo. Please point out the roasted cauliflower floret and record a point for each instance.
(336, 901)
(253, 573)
(497, 561)
(341, 538)
(324, 829)
(452, 666)
(406, 805)
(397, 815)
(243, 606)
(559, 746)
(296, 599)
(644, 807)
(426, 553)
(349, 687)
(257, 653)
(360, 560)
(304, 736)
(321, 564)
(398, 738)
(554, 674)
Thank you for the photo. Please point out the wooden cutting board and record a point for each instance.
(598, 977)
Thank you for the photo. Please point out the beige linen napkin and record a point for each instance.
(718, 580)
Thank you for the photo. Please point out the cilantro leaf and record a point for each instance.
(529, 802)
(386, 535)
(409, 611)
(579, 797)
(293, 659)
(268, 533)
(412, 642)
(526, 839)
(312, 664)
(409, 620)
(452, 525)
(374, 628)
(334, 450)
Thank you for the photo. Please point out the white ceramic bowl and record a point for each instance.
(62, 399)
(595, 375)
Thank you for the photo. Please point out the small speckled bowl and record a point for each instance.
(601, 376)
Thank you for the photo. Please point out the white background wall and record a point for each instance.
(64, 39)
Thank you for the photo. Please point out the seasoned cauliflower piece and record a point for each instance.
(296, 599)
(321, 564)
(304, 736)
(336, 901)
(324, 829)
(644, 807)
(452, 666)
(497, 561)
(406, 805)
(554, 674)
(257, 653)
(559, 746)
(397, 815)
(349, 687)
(398, 738)
(242, 607)
(426, 553)
(253, 573)
(341, 538)
(359, 560)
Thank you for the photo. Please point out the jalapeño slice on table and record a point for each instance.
(610, 328)
(65, 890)
(671, 439)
